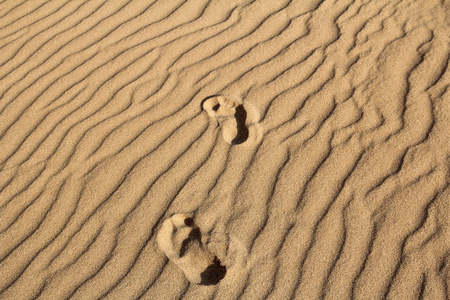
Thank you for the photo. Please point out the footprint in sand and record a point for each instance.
(239, 124)
(180, 239)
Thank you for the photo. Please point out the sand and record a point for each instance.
(309, 141)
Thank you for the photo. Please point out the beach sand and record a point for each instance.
(301, 146)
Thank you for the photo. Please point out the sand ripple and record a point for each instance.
(343, 193)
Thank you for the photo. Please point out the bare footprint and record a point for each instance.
(237, 125)
(180, 239)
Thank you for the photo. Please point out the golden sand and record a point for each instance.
(309, 141)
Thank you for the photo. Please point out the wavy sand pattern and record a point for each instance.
(339, 188)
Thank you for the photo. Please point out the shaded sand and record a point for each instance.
(339, 191)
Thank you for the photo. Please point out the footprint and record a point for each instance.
(231, 114)
(180, 239)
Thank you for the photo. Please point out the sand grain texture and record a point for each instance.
(340, 191)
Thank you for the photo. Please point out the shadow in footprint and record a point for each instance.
(242, 130)
(194, 236)
(213, 273)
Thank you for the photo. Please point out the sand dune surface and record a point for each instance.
(224, 149)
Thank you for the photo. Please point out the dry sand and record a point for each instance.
(338, 187)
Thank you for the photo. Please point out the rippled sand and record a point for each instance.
(322, 174)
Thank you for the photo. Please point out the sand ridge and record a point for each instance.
(339, 189)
